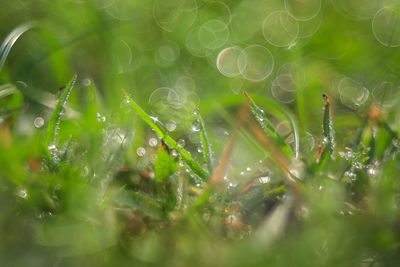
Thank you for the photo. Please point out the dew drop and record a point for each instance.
(196, 126)
(325, 141)
(248, 169)
(154, 119)
(141, 151)
(23, 194)
(232, 184)
(100, 118)
(358, 165)
(174, 153)
(87, 82)
(52, 147)
(196, 111)
(264, 179)
(153, 142)
(38, 122)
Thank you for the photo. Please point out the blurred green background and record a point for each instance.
(173, 56)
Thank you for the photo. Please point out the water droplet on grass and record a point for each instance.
(52, 147)
(196, 126)
(153, 142)
(231, 184)
(38, 122)
(23, 194)
(141, 151)
(87, 82)
(100, 118)
(264, 179)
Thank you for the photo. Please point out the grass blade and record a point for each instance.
(205, 144)
(171, 143)
(55, 119)
(327, 128)
(267, 126)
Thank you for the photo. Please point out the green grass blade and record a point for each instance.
(328, 140)
(55, 119)
(205, 144)
(171, 143)
(267, 126)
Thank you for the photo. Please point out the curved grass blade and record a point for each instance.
(55, 119)
(205, 144)
(171, 143)
(10, 40)
(267, 126)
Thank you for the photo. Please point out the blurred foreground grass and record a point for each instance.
(152, 155)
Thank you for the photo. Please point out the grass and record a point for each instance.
(188, 167)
